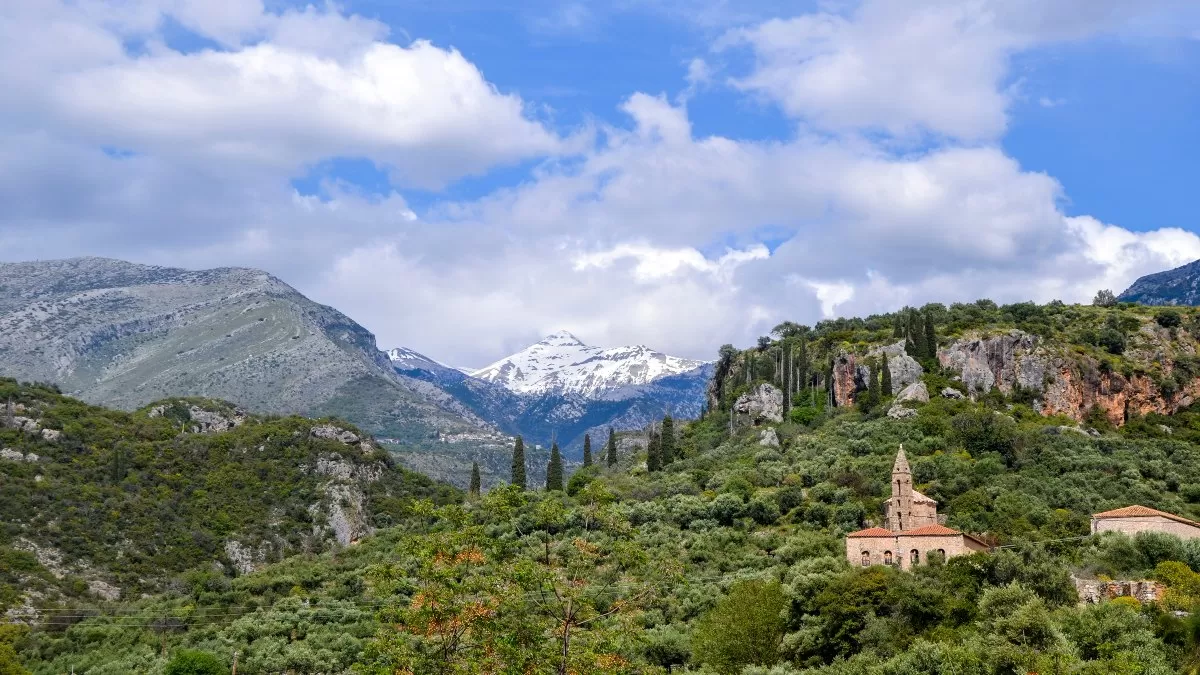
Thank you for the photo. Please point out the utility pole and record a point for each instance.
(235, 660)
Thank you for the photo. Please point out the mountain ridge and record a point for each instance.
(1179, 286)
(123, 334)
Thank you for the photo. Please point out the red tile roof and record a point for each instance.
(928, 531)
(1138, 511)
(872, 532)
(925, 531)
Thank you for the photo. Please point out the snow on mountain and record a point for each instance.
(402, 357)
(562, 364)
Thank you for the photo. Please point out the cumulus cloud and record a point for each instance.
(921, 66)
(651, 233)
(317, 85)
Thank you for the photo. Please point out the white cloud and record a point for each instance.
(655, 264)
(920, 66)
(316, 85)
(831, 295)
(615, 242)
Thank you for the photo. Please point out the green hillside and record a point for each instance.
(730, 559)
(126, 502)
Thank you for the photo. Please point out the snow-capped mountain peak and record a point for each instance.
(404, 355)
(561, 363)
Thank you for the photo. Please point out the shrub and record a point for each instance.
(1168, 318)
(191, 662)
(744, 629)
(763, 509)
(726, 508)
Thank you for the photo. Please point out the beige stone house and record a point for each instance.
(1136, 518)
(913, 529)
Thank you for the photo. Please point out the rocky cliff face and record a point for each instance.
(1004, 361)
(1072, 384)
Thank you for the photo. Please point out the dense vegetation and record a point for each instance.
(132, 501)
(729, 557)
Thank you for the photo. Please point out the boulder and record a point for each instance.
(904, 369)
(51, 434)
(332, 433)
(768, 438)
(951, 392)
(916, 392)
(761, 405)
(898, 412)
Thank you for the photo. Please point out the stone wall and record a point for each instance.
(1132, 526)
(901, 548)
(1093, 591)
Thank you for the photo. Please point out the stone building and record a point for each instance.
(913, 529)
(1134, 519)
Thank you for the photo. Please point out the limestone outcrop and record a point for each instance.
(904, 369)
(1000, 361)
(761, 405)
(849, 378)
(201, 420)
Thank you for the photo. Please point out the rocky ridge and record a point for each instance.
(1060, 381)
(1180, 286)
(122, 334)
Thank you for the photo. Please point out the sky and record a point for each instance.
(463, 177)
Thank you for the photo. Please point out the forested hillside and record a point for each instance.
(729, 558)
(99, 503)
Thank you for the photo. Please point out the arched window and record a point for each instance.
(942, 552)
(914, 557)
(887, 557)
(866, 558)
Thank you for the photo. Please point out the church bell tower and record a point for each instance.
(900, 506)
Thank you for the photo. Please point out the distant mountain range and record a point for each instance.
(1180, 286)
(122, 334)
(561, 389)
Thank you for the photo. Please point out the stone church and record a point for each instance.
(913, 529)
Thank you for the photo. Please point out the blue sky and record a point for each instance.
(463, 177)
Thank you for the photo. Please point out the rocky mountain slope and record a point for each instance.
(1180, 286)
(560, 389)
(106, 503)
(121, 334)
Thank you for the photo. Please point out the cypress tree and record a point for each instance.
(518, 464)
(915, 344)
(475, 480)
(612, 448)
(872, 398)
(885, 377)
(667, 445)
(802, 364)
(898, 325)
(930, 337)
(554, 470)
(587, 450)
(653, 453)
